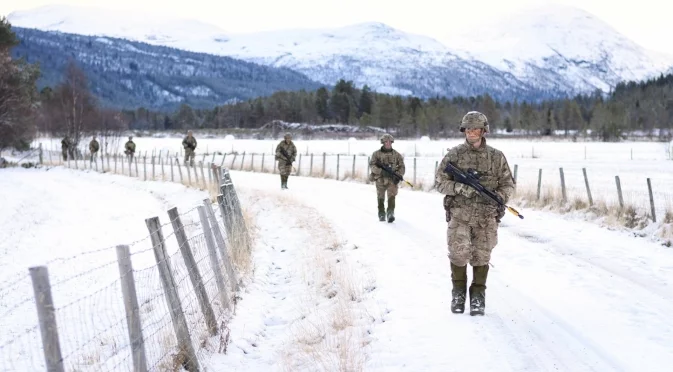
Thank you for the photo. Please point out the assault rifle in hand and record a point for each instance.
(471, 178)
(389, 170)
(287, 157)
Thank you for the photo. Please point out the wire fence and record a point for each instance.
(643, 184)
(157, 304)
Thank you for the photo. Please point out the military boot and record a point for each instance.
(391, 209)
(459, 280)
(282, 181)
(286, 177)
(478, 290)
(382, 212)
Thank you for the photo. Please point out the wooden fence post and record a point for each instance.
(170, 291)
(46, 315)
(539, 183)
(193, 270)
(338, 162)
(212, 255)
(563, 185)
(649, 189)
(586, 182)
(132, 308)
(516, 171)
(619, 192)
(219, 239)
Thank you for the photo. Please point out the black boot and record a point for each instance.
(478, 290)
(382, 212)
(286, 177)
(391, 209)
(459, 280)
(282, 182)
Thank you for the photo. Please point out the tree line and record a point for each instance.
(70, 108)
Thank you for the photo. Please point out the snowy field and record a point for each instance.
(633, 162)
(335, 289)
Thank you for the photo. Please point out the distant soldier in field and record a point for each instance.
(473, 221)
(66, 147)
(286, 152)
(384, 159)
(189, 144)
(130, 148)
(94, 146)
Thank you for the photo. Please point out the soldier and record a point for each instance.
(472, 219)
(285, 154)
(66, 145)
(130, 148)
(385, 182)
(93, 148)
(189, 144)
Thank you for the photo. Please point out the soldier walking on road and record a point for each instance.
(189, 144)
(472, 220)
(389, 158)
(130, 149)
(94, 146)
(286, 152)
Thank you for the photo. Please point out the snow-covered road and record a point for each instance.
(563, 294)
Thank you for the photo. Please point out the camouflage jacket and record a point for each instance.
(495, 173)
(289, 148)
(93, 146)
(130, 146)
(391, 158)
(65, 143)
(189, 143)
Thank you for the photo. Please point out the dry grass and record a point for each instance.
(326, 336)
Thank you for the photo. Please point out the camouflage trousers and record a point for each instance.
(471, 242)
(189, 155)
(384, 185)
(284, 168)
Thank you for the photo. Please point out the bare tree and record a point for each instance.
(112, 125)
(77, 104)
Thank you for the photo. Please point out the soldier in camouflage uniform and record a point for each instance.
(285, 160)
(472, 219)
(189, 144)
(66, 147)
(94, 146)
(130, 148)
(385, 183)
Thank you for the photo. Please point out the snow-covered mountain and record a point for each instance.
(529, 56)
(560, 47)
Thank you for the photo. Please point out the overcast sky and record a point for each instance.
(647, 22)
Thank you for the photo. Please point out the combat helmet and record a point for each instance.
(387, 137)
(474, 120)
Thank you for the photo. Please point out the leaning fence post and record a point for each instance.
(586, 182)
(539, 183)
(203, 177)
(212, 254)
(132, 308)
(649, 188)
(619, 192)
(170, 291)
(46, 315)
(219, 239)
(177, 162)
(193, 270)
(563, 185)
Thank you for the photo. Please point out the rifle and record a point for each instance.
(287, 157)
(391, 172)
(471, 178)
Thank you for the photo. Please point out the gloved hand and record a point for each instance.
(465, 190)
(396, 180)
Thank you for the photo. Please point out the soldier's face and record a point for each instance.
(473, 135)
(387, 144)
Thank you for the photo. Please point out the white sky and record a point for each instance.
(647, 22)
